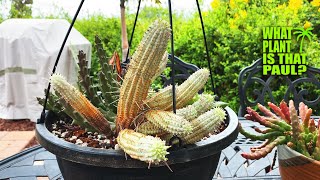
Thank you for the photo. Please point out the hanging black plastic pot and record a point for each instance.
(194, 162)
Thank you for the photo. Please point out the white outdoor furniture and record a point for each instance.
(28, 50)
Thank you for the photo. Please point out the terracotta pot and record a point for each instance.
(198, 161)
(294, 165)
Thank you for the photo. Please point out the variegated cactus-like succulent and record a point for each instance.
(184, 92)
(284, 126)
(145, 148)
(142, 123)
(169, 122)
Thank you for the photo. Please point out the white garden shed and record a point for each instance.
(28, 50)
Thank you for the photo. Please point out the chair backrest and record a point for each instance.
(255, 88)
(182, 71)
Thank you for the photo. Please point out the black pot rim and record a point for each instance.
(117, 159)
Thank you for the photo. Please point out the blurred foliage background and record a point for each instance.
(234, 32)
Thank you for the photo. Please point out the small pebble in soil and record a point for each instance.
(116, 147)
(79, 142)
(63, 129)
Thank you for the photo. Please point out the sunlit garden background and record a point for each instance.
(234, 30)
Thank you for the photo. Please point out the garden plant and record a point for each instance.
(131, 115)
(233, 32)
(298, 132)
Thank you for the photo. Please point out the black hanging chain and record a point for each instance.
(206, 45)
(57, 60)
(174, 108)
(132, 33)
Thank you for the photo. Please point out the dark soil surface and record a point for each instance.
(75, 134)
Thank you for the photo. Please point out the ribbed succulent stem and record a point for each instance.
(144, 148)
(316, 153)
(261, 120)
(160, 100)
(81, 104)
(312, 126)
(52, 103)
(162, 66)
(150, 129)
(202, 105)
(264, 144)
(143, 66)
(285, 110)
(266, 111)
(260, 153)
(59, 106)
(296, 129)
(86, 80)
(301, 145)
(169, 122)
(307, 118)
(260, 137)
(184, 92)
(108, 79)
(280, 123)
(277, 110)
(76, 117)
(264, 131)
(205, 124)
(302, 110)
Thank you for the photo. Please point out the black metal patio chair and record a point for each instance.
(255, 88)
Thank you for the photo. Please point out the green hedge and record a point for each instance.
(234, 34)
(235, 38)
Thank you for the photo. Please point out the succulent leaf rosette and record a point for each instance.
(285, 126)
(141, 122)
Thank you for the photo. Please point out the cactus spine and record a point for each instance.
(169, 122)
(185, 92)
(80, 104)
(143, 66)
(144, 148)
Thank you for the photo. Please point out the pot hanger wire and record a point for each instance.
(43, 113)
(172, 49)
(42, 118)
